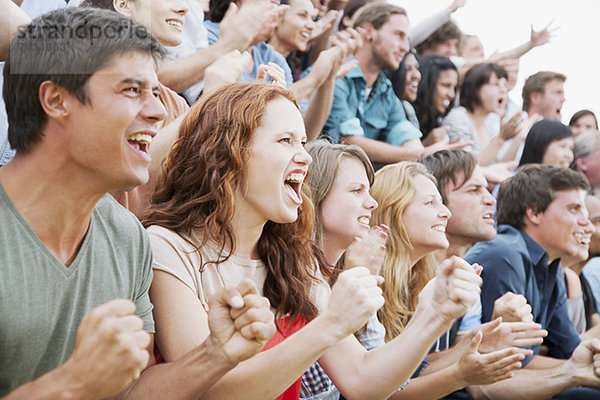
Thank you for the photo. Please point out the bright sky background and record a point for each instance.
(505, 24)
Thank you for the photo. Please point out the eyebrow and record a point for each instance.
(141, 84)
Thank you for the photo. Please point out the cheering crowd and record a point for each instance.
(306, 199)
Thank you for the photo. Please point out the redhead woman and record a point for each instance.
(230, 205)
(411, 204)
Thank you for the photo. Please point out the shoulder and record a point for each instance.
(507, 249)
(118, 222)
(457, 115)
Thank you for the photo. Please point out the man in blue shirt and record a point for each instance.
(365, 109)
(542, 217)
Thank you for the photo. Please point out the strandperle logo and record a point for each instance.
(57, 34)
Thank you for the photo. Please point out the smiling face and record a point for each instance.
(445, 90)
(391, 41)
(593, 205)
(564, 229)
(559, 153)
(425, 219)
(111, 134)
(295, 26)
(493, 95)
(164, 18)
(584, 124)
(346, 211)
(472, 208)
(413, 77)
(276, 169)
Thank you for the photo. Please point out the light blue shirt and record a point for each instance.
(378, 116)
(591, 272)
(262, 53)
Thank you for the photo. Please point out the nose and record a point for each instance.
(444, 212)
(181, 7)
(488, 199)
(153, 110)
(302, 156)
(404, 45)
(371, 203)
(310, 24)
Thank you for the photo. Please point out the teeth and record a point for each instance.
(414, 85)
(363, 220)
(488, 216)
(141, 137)
(295, 178)
(305, 35)
(582, 238)
(439, 228)
(446, 103)
(176, 24)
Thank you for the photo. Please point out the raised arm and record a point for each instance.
(11, 17)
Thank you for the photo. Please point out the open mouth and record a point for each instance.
(489, 216)
(140, 142)
(293, 184)
(439, 228)
(364, 220)
(582, 238)
(175, 23)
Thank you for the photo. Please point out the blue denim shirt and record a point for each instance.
(514, 261)
(379, 116)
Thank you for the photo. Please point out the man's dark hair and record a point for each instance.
(474, 79)
(104, 4)
(450, 166)
(65, 46)
(217, 10)
(445, 32)
(534, 187)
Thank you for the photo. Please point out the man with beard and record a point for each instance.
(365, 109)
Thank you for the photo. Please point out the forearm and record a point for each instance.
(513, 149)
(183, 73)
(187, 378)
(443, 359)
(318, 109)
(57, 384)
(383, 152)
(490, 152)
(425, 28)
(527, 384)
(432, 386)
(305, 87)
(162, 143)
(271, 372)
(384, 369)
(514, 53)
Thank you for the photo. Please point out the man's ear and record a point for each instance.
(370, 32)
(53, 100)
(533, 215)
(535, 98)
(581, 164)
(122, 7)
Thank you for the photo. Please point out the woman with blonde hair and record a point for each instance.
(411, 205)
(230, 205)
